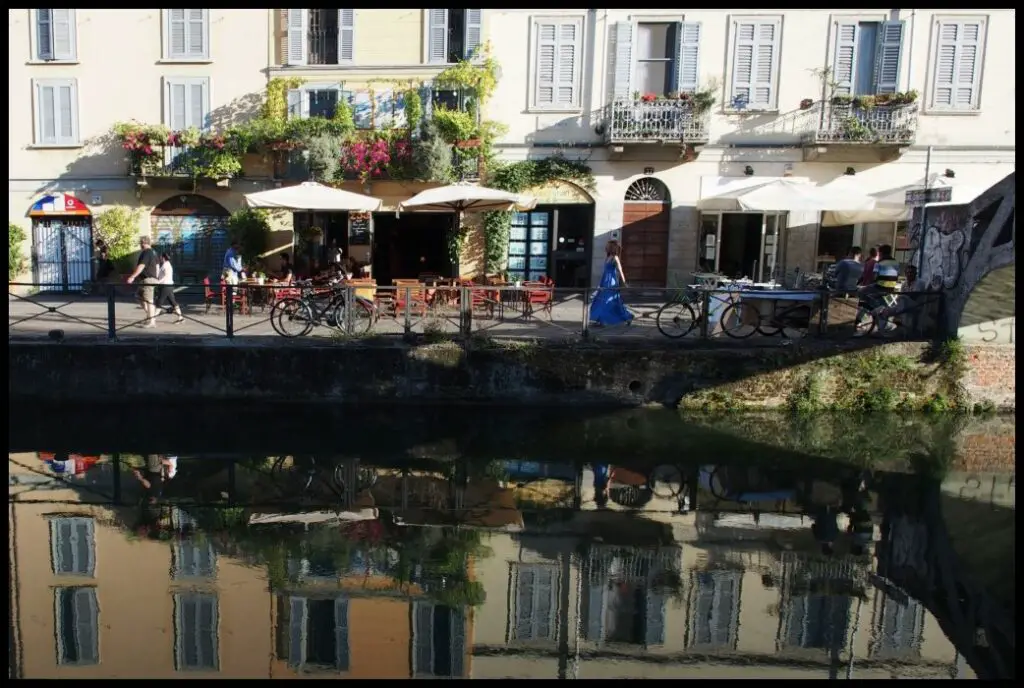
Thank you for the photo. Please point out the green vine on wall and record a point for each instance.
(517, 177)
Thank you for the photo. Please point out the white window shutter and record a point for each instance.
(888, 59)
(294, 103)
(296, 631)
(547, 52)
(688, 36)
(44, 34)
(958, 65)
(57, 112)
(623, 72)
(346, 36)
(62, 26)
(298, 20)
(196, 23)
(177, 44)
(754, 71)
(474, 32)
(46, 98)
(568, 64)
(437, 36)
(844, 59)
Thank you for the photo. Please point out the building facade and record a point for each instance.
(670, 108)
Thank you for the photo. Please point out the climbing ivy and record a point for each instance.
(517, 177)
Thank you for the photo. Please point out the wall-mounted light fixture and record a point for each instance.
(850, 172)
(787, 171)
(648, 171)
(749, 171)
(949, 174)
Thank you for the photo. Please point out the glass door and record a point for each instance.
(710, 236)
(528, 246)
(769, 248)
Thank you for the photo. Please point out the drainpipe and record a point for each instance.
(910, 50)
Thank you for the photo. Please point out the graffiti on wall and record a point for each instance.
(944, 254)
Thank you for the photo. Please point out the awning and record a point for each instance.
(312, 197)
(782, 194)
(891, 205)
(466, 197)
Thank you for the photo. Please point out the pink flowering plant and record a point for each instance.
(143, 144)
(370, 158)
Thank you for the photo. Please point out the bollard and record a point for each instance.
(229, 310)
(111, 314)
(466, 311)
(408, 312)
(705, 310)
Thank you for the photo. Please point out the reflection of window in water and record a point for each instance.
(317, 633)
(625, 614)
(817, 621)
(77, 619)
(439, 639)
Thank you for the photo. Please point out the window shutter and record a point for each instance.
(48, 135)
(176, 30)
(296, 631)
(547, 48)
(595, 608)
(688, 57)
(196, 30)
(458, 647)
(188, 103)
(426, 102)
(844, 61)
(298, 20)
(958, 65)
(654, 629)
(62, 27)
(346, 35)
(474, 32)
(44, 34)
(198, 105)
(567, 92)
(341, 634)
(423, 638)
(57, 106)
(294, 103)
(87, 625)
(67, 134)
(889, 57)
(623, 72)
(437, 36)
(754, 72)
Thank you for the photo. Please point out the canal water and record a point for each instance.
(275, 542)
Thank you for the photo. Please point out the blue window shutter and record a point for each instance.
(341, 653)
(437, 36)
(957, 70)
(346, 36)
(654, 629)
(889, 57)
(297, 21)
(688, 57)
(296, 631)
(87, 625)
(595, 611)
(44, 34)
(844, 59)
(458, 642)
(623, 71)
(474, 32)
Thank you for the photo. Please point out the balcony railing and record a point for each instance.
(323, 47)
(656, 121)
(850, 123)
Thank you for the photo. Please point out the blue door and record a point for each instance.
(62, 253)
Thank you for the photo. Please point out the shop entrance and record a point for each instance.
(741, 245)
(574, 238)
(411, 245)
(315, 233)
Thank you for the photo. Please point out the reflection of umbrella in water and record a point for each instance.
(309, 518)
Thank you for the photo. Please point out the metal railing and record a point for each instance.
(323, 47)
(847, 122)
(472, 313)
(633, 121)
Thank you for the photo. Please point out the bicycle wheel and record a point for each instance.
(291, 318)
(785, 322)
(675, 320)
(739, 320)
(359, 321)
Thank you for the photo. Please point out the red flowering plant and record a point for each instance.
(143, 144)
(371, 157)
(648, 97)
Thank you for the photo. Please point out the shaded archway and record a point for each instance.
(556, 238)
(61, 242)
(194, 230)
(644, 238)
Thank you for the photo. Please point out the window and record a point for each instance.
(439, 640)
(319, 36)
(187, 103)
(755, 63)
(194, 560)
(817, 621)
(956, 70)
(558, 67)
(867, 57)
(196, 632)
(316, 100)
(76, 615)
(833, 245)
(898, 627)
(187, 34)
(528, 245)
(55, 35)
(716, 610)
(656, 58)
(56, 105)
(452, 35)
(536, 603)
(73, 546)
(317, 633)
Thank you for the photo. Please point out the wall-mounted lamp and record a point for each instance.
(749, 171)
(949, 174)
(850, 172)
(787, 171)
(648, 171)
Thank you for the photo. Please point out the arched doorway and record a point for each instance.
(556, 238)
(645, 223)
(61, 242)
(194, 230)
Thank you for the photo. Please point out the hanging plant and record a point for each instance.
(367, 159)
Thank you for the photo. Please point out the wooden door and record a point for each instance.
(645, 243)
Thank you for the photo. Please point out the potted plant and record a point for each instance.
(864, 102)
(842, 100)
(807, 103)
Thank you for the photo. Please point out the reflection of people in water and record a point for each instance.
(825, 528)
(157, 470)
(601, 478)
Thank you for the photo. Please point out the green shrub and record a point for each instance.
(15, 256)
(432, 158)
(251, 228)
(118, 227)
(323, 157)
(454, 125)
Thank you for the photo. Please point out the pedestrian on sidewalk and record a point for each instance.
(147, 270)
(165, 278)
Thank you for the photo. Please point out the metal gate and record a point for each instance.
(62, 253)
(196, 244)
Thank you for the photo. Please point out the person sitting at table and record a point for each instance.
(285, 273)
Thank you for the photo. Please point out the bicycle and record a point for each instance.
(684, 314)
(366, 478)
(887, 318)
(305, 312)
(782, 322)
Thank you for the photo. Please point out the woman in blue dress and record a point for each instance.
(607, 307)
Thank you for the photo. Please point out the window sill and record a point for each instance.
(951, 113)
(554, 111)
(185, 60)
(53, 62)
(751, 111)
(55, 146)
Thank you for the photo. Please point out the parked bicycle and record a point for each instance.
(296, 317)
(685, 313)
(304, 472)
(790, 322)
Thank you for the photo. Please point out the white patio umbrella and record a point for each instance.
(311, 196)
(779, 195)
(466, 197)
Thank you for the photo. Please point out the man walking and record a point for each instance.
(147, 269)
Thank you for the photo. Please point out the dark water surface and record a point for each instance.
(256, 542)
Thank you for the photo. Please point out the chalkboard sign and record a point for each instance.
(359, 227)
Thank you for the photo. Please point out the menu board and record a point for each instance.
(359, 229)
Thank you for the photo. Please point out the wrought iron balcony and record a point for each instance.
(851, 122)
(323, 47)
(656, 121)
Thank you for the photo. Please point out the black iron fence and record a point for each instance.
(438, 310)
